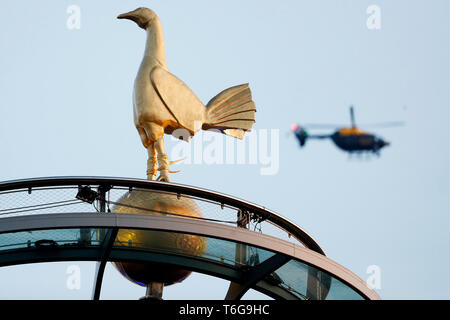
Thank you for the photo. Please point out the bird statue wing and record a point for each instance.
(179, 99)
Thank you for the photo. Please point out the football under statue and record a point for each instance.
(162, 103)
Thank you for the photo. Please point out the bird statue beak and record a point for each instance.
(135, 16)
(129, 15)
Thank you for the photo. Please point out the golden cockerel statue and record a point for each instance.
(162, 103)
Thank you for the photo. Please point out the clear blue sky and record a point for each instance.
(65, 109)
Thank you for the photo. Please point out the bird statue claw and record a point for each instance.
(164, 176)
(164, 170)
(163, 179)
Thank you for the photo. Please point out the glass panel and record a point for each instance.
(298, 278)
(340, 291)
(52, 237)
(307, 282)
(219, 250)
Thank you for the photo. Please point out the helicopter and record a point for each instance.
(349, 139)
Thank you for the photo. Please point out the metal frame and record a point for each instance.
(100, 269)
(265, 214)
(185, 225)
(257, 274)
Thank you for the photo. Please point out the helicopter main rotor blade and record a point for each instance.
(383, 124)
(323, 125)
(352, 117)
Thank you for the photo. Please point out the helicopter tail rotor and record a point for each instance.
(300, 133)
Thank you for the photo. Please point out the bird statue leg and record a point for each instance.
(151, 162)
(163, 160)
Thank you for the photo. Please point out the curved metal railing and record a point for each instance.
(99, 194)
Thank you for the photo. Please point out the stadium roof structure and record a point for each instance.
(46, 220)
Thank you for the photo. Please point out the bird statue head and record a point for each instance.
(142, 16)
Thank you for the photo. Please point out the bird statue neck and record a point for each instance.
(154, 47)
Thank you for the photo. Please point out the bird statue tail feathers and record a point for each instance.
(232, 111)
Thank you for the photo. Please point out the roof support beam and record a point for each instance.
(108, 243)
(254, 275)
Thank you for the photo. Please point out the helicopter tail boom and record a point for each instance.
(302, 135)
